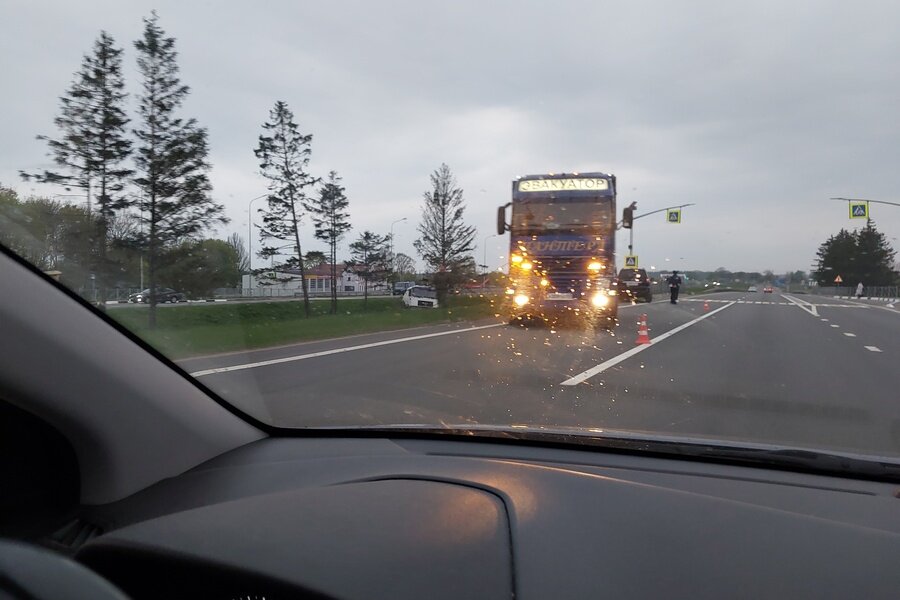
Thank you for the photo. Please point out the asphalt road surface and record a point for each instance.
(777, 368)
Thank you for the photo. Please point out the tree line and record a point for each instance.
(148, 194)
(861, 256)
(61, 236)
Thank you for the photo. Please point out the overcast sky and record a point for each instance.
(756, 114)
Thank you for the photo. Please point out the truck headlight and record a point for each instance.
(599, 300)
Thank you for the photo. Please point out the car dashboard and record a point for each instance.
(360, 517)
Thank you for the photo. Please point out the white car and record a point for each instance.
(752, 288)
(420, 296)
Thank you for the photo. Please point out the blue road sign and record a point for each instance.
(859, 210)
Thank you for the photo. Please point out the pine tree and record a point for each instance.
(171, 156)
(859, 256)
(284, 154)
(369, 259)
(875, 257)
(446, 242)
(836, 257)
(92, 144)
(331, 218)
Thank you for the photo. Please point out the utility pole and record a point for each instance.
(250, 240)
(484, 260)
(392, 247)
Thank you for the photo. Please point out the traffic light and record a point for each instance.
(628, 215)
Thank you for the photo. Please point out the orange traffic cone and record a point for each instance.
(643, 331)
(706, 305)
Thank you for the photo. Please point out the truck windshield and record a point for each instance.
(550, 215)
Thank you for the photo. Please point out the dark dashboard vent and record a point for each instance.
(74, 534)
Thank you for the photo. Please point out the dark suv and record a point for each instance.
(635, 283)
(162, 295)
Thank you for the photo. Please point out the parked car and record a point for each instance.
(162, 295)
(420, 296)
(635, 283)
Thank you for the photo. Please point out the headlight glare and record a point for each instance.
(599, 300)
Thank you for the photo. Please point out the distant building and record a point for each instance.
(318, 282)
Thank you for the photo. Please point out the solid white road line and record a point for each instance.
(810, 308)
(873, 348)
(582, 377)
(276, 361)
(887, 307)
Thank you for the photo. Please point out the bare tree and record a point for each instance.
(404, 265)
(240, 249)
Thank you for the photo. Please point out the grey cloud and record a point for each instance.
(757, 113)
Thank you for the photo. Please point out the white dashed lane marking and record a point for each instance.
(833, 325)
(873, 349)
(849, 334)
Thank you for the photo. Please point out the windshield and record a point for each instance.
(632, 275)
(419, 292)
(281, 173)
(559, 216)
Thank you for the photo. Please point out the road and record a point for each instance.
(777, 368)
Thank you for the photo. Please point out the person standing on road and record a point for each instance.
(859, 290)
(674, 282)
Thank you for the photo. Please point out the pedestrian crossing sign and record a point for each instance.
(631, 262)
(859, 210)
(673, 215)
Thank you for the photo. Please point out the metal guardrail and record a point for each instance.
(846, 291)
(262, 292)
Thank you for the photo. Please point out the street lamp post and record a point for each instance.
(484, 260)
(392, 246)
(250, 239)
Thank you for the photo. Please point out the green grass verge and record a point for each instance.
(184, 331)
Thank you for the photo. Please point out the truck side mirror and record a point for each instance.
(501, 220)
